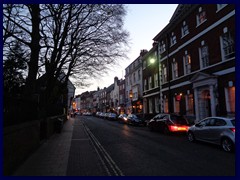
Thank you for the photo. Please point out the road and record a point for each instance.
(135, 151)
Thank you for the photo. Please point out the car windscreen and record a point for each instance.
(179, 120)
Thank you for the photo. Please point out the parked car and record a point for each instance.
(105, 115)
(216, 130)
(135, 120)
(97, 114)
(112, 116)
(122, 118)
(87, 114)
(168, 123)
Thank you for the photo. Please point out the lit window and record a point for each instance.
(165, 105)
(230, 99)
(189, 104)
(174, 69)
(176, 105)
(201, 16)
(187, 63)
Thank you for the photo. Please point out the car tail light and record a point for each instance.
(232, 129)
(178, 128)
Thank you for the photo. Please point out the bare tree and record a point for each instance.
(21, 23)
(81, 41)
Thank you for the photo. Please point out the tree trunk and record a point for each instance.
(35, 49)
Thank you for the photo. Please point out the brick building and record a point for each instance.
(197, 60)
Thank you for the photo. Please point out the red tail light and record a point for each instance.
(232, 129)
(178, 128)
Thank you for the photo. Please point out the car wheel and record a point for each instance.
(191, 137)
(227, 145)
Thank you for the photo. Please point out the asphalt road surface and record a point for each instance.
(135, 151)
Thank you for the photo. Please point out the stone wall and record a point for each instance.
(20, 141)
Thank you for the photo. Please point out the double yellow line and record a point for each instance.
(108, 164)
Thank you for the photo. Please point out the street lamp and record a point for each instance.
(131, 96)
(152, 60)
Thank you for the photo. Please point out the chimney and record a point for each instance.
(143, 52)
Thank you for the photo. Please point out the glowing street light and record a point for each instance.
(152, 60)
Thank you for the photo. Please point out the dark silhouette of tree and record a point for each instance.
(21, 23)
(14, 68)
(66, 40)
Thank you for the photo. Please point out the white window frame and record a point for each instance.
(173, 39)
(164, 74)
(162, 47)
(187, 63)
(184, 29)
(230, 45)
(174, 69)
(203, 55)
(150, 82)
(220, 7)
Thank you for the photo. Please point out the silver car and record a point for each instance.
(216, 130)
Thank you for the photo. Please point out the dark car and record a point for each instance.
(169, 123)
(215, 130)
(122, 118)
(135, 120)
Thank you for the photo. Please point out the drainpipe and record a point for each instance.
(168, 76)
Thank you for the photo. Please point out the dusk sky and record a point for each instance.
(143, 22)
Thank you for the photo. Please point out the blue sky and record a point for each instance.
(143, 22)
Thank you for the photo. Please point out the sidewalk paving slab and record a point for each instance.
(69, 153)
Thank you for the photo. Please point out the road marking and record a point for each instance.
(103, 155)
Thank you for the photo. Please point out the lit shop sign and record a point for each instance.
(178, 97)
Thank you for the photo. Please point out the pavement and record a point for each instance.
(69, 153)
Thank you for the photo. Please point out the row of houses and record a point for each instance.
(190, 69)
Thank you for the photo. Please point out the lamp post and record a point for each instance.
(131, 96)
